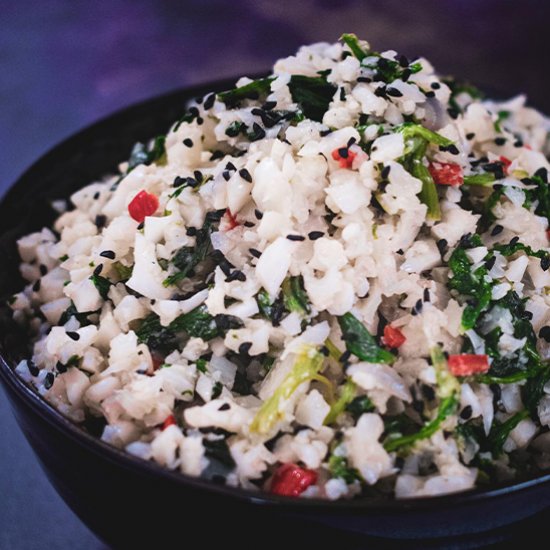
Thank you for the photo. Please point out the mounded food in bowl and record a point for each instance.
(327, 283)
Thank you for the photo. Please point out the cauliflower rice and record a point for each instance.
(329, 282)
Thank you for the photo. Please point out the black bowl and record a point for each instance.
(128, 502)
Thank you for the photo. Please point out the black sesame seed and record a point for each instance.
(442, 246)
(545, 263)
(453, 113)
(405, 75)
(73, 335)
(314, 235)
(394, 92)
(295, 238)
(496, 230)
(259, 214)
(209, 101)
(226, 174)
(33, 369)
(108, 254)
(380, 92)
(43, 269)
(96, 195)
(226, 268)
(200, 120)
(140, 226)
(385, 172)
(466, 412)
(217, 155)
(269, 105)
(325, 351)
(429, 93)
(453, 149)
(244, 348)
(245, 174)
(343, 152)
(36, 286)
(544, 333)
(224, 407)
(188, 142)
(400, 252)
(236, 275)
(518, 143)
(191, 231)
(254, 252)
(403, 61)
(324, 133)
(257, 132)
(426, 295)
(470, 136)
(249, 224)
(489, 264)
(500, 141)
(49, 380)
(100, 221)
(342, 94)
(435, 85)
(364, 79)
(514, 240)
(98, 269)
(344, 358)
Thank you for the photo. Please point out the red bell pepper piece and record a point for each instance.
(505, 163)
(170, 421)
(393, 337)
(467, 364)
(142, 205)
(344, 156)
(231, 220)
(290, 480)
(446, 173)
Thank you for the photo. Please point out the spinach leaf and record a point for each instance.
(294, 295)
(142, 155)
(446, 408)
(339, 468)
(252, 90)
(312, 94)
(347, 393)
(102, 284)
(198, 323)
(471, 284)
(352, 42)
(187, 258)
(500, 431)
(361, 342)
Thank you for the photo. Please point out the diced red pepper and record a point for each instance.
(467, 364)
(505, 163)
(231, 220)
(344, 156)
(393, 337)
(142, 205)
(290, 480)
(446, 173)
(548, 234)
(170, 421)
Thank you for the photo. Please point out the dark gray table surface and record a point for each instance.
(64, 64)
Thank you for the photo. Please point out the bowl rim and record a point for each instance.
(70, 429)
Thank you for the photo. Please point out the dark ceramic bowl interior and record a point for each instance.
(130, 502)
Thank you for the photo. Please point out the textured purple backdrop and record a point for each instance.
(64, 64)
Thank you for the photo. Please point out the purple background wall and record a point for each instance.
(63, 64)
